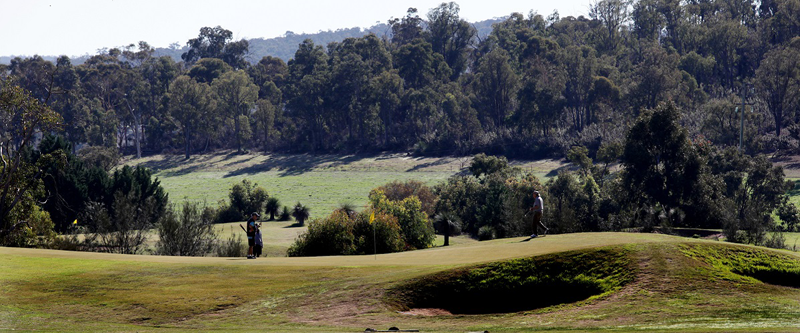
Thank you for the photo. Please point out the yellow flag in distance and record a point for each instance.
(372, 217)
(75, 222)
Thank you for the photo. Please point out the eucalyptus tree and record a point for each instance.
(216, 43)
(22, 118)
(236, 96)
(451, 36)
(777, 82)
(190, 104)
(307, 93)
(496, 87)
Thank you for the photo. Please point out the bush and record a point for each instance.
(301, 213)
(190, 234)
(325, 237)
(286, 214)
(417, 230)
(342, 233)
(225, 213)
(486, 233)
(125, 229)
(234, 246)
(382, 235)
(397, 191)
(247, 197)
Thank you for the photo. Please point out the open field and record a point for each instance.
(321, 182)
(677, 284)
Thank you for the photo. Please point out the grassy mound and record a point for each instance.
(519, 284)
(763, 265)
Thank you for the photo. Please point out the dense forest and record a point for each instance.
(534, 87)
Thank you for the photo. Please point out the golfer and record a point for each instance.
(251, 234)
(537, 209)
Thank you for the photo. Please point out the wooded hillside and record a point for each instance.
(534, 87)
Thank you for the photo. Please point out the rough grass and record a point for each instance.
(669, 290)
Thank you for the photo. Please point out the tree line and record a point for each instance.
(534, 87)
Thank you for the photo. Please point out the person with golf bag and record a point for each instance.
(251, 230)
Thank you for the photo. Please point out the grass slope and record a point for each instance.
(321, 182)
(677, 284)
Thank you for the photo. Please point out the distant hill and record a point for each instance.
(284, 46)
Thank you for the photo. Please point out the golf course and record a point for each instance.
(614, 281)
(636, 282)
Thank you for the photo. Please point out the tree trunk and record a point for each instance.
(186, 140)
(236, 133)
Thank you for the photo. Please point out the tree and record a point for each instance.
(450, 36)
(497, 86)
(247, 197)
(125, 229)
(215, 43)
(207, 70)
(301, 213)
(778, 83)
(191, 105)
(486, 165)
(307, 87)
(236, 95)
(753, 190)
(446, 224)
(22, 117)
(406, 29)
(271, 207)
(581, 66)
(397, 191)
(613, 14)
(663, 169)
(419, 65)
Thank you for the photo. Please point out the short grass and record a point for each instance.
(321, 182)
(671, 290)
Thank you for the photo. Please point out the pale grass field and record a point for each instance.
(321, 182)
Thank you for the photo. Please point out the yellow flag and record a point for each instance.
(372, 217)
(75, 222)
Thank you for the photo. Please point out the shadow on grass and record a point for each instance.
(555, 172)
(440, 161)
(295, 225)
(293, 165)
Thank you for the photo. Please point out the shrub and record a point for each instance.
(286, 214)
(486, 233)
(190, 234)
(234, 246)
(125, 229)
(397, 191)
(225, 213)
(382, 235)
(301, 213)
(343, 233)
(272, 207)
(417, 230)
(324, 237)
(247, 197)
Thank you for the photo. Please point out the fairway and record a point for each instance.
(321, 182)
(78, 291)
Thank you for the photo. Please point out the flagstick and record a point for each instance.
(374, 241)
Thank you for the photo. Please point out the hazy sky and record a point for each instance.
(78, 27)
